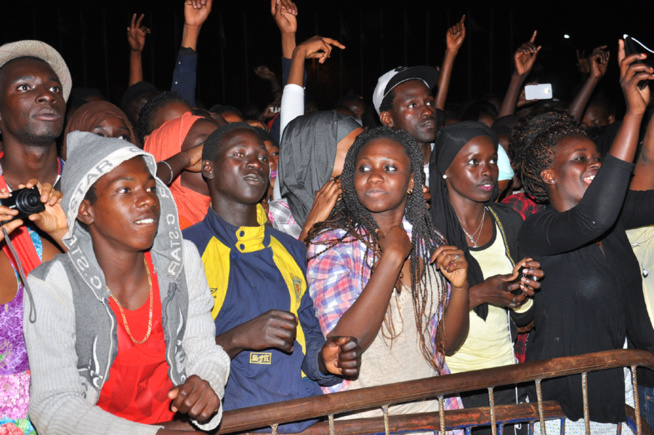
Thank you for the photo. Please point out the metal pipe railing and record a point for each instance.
(245, 419)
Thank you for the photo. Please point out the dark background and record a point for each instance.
(379, 35)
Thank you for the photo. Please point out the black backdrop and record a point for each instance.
(379, 35)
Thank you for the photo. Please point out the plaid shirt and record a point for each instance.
(523, 204)
(281, 218)
(337, 277)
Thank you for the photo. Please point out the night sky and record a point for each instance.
(379, 35)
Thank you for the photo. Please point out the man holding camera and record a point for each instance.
(34, 85)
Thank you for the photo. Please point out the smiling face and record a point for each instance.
(472, 175)
(575, 163)
(124, 216)
(413, 110)
(239, 171)
(113, 127)
(382, 177)
(32, 105)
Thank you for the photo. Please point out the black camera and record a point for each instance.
(26, 201)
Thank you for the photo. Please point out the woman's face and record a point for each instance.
(382, 177)
(472, 175)
(575, 163)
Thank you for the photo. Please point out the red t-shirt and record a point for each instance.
(138, 384)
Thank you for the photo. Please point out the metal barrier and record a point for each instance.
(271, 415)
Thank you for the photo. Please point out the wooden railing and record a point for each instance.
(271, 415)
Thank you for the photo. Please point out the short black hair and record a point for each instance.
(387, 102)
(135, 91)
(222, 108)
(147, 112)
(265, 136)
(215, 139)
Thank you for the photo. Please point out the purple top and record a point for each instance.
(13, 353)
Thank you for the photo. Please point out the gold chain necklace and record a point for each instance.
(122, 313)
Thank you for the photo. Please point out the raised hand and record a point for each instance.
(582, 62)
(525, 56)
(136, 34)
(318, 47)
(263, 72)
(284, 12)
(196, 12)
(341, 356)
(195, 398)
(456, 35)
(598, 61)
(632, 73)
(452, 263)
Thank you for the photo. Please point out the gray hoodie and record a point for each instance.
(73, 342)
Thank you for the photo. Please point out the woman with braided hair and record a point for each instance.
(377, 263)
(592, 298)
(464, 187)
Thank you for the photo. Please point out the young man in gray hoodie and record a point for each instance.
(123, 329)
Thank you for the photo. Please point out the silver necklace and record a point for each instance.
(476, 233)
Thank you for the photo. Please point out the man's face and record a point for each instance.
(413, 111)
(32, 104)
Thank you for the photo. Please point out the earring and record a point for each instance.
(444, 177)
(409, 192)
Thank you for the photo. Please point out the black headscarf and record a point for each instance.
(451, 139)
(306, 157)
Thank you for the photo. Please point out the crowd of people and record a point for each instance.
(165, 261)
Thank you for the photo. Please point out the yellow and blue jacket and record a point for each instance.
(251, 270)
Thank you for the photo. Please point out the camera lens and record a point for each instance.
(28, 201)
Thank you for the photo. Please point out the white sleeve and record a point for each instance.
(504, 165)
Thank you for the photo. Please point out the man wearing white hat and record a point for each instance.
(34, 86)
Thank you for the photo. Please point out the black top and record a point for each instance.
(589, 301)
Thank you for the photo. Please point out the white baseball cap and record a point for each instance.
(399, 75)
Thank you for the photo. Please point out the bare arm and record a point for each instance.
(598, 62)
(454, 38)
(285, 12)
(524, 60)
(636, 99)
(136, 38)
(364, 318)
(451, 261)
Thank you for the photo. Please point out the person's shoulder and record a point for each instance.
(199, 234)
(506, 214)
(288, 241)
(47, 269)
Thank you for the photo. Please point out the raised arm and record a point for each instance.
(598, 62)
(136, 38)
(284, 12)
(524, 60)
(454, 38)
(196, 13)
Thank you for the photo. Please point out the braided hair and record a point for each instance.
(538, 154)
(360, 226)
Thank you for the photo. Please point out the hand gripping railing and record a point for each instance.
(271, 415)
